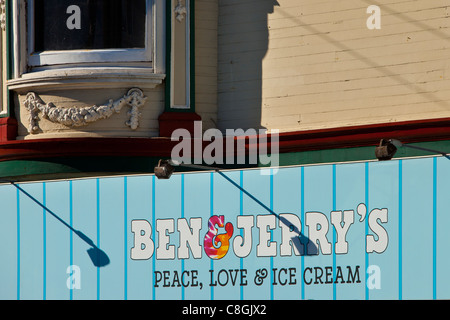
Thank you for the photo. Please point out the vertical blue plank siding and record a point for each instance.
(9, 244)
(139, 206)
(44, 259)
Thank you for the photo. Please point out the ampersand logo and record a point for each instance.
(216, 245)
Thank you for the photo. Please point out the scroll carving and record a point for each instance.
(3, 14)
(180, 11)
(77, 117)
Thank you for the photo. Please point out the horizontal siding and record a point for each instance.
(315, 64)
(206, 25)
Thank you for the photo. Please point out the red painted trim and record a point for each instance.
(358, 136)
(170, 121)
(369, 135)
(77, 147)
(8, 129)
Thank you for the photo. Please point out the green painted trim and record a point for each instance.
(82, 167)
(356, 154)
(78, 167)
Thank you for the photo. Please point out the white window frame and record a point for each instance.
(86, 69)
(90, 56)
(187, 22)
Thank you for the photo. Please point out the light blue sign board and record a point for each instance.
(37, 251)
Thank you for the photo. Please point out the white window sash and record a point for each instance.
(88, 56)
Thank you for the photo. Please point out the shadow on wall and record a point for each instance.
(301, 242)
(298, 240)
(243, 43)
(98, 257)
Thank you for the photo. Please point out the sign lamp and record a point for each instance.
(164, 169)
(388, 147)
(386, 150)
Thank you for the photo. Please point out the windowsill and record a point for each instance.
(87, 78)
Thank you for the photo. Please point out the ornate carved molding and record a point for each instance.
(180, 11)
(77, 117)
(3, 14)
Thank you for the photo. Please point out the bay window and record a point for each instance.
(87, 40)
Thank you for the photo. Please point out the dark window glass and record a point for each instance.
(89, 24)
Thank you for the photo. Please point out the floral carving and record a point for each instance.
(77, 117)
(180, 11)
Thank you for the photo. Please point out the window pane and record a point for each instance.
(89, 24)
